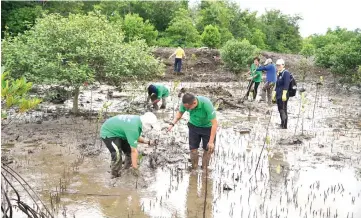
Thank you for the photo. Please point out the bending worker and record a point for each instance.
(202, 126)
(122, 132)
(157, 92)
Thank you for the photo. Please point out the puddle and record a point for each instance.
(312, 169)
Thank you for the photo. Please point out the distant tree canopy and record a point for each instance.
(338, 49)
(170, 23)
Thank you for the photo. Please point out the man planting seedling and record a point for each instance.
(202, 126)
(123, 132)
(156, 92)
(271, 79)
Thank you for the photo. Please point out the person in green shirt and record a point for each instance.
(202, 125)
(123, 132)
(255, 78)
(157, 92)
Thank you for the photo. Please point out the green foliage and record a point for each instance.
(14, 93)
(159, 13)
(211, 36)
(226, 35)
(181, 30)
(22, 19)
(308, 49)
(238, 54)
(338, 50)
(282, 32)
(216, 14)
(258, 38)
(135, 28)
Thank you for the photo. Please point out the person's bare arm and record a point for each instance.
(213, 130)
(171, 55)
(178, 116)
(134, 155)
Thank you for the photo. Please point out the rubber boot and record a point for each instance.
(194, 159)
(205, 159)
(127, 161)
(116, 165)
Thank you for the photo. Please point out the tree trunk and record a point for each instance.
(76, 100)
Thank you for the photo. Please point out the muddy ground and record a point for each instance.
(312, 169)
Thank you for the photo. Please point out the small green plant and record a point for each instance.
(14, 93)
(356, 77)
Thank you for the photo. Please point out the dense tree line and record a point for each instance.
(171, 23)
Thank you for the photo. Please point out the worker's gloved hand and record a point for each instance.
(134, 171)
(273, 96)
(250, 78)
(284, 95)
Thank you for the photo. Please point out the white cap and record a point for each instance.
(149, 121)
(280, 62)
(269, 60)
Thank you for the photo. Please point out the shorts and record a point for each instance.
(196, 134)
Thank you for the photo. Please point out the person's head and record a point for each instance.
(280, 64)
(268, 61)
(153, 97)
(189, 101)
(256, 60)
(149, 122)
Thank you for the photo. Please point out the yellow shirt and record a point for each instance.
(179, 53)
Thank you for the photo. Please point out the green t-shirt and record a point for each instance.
(258, 78)
(162, 91)
(201, 115)
(128, 127)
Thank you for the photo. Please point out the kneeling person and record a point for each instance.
(122, 132)
(157, 92)
(202, 126)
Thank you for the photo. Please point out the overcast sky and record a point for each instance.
(317, 15)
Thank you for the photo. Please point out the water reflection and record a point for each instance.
(196, 196)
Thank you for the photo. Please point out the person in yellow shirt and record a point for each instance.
(179, 55)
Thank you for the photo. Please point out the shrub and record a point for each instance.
(211, 36)
(237, 54)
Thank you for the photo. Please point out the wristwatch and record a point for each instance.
(172, 124)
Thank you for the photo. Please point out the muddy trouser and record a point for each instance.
(115, 145)
(256, 84)
(282, 108)
(177, 65)
(196, 134)
(268, 88)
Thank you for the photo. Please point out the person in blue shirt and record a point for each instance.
(271, 79)
(281, 95)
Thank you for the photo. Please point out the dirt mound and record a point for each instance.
(201, 64)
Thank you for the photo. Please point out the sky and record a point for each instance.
(318, 15)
